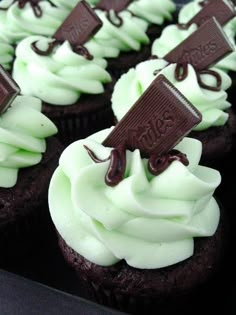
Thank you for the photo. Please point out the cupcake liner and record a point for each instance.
(72, 127)
(25, 222)
(137, 291)
(126, 60)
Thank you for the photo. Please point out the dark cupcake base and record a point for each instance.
(24, 217)
(175, 288)
(218, 143)
(126, 60)
(91, 114)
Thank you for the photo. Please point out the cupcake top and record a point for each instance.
(19, 19)
(193, 7)
(210, 102)
(149, 221)
(172, 35)
(6, 54)
(23, 129)
(123, 31)
(155, 12)
(61, 76)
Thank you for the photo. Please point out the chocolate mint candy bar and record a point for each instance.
(159, 119)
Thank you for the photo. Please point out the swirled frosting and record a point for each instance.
(190, 9)
(61, 77)
(155, 12)
(150, 221)
(211, 104)
(17, 23)
(6, 54)
(172, 36)
(129, 36)
(23, 129)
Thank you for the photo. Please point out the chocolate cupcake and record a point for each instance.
(205, 88)
(27, 162)
(136, 218)
(68, 74)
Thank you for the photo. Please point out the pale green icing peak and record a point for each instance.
(61, 77)
(189, 10)
(23, 129)
(211, 104)
(17, 23)
(172, 36)
(150, 221)
(131, 35)
(155, 12)
(6, 54)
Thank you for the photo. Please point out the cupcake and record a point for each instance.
(27, 161)
(74, 89)
(19, 19)
(139, 241)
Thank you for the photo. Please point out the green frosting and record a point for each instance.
(150, 221)
(172, 36)
(23, 129)
(189, 10)
(131, 35)
(61, 77)
(211, 104)
(17, 23)
(6, 54)
(153, 11)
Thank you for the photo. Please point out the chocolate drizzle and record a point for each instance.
(78, 49)
(46, 52)
(181, 72)
(116, 170)
(119, 21)
(159, 163)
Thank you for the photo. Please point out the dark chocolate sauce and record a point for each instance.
(78, 49)
(116, 170)
(46, 52)
(181, 72)
(119, 19)
(159, 163)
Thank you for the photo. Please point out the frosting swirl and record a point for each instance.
(17, 23)
(155, 12)
(145, 218)
(61, 77)
(23, 129)
(129, 35)
(211, 104)
(6, 54)
(172, 35)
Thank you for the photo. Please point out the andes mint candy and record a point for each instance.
(203, 48)
(79, 26)
(8, 90)
(158, 120)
